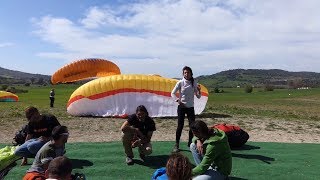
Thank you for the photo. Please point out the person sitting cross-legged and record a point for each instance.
(211, 152)
(137, 132)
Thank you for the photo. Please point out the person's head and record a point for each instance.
(32, 114)
(187, 73)
(178, 167)
(200, 129)
(60, 135)
(59, 168)
(141, 112)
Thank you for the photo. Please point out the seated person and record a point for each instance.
(137, 132)
(49, 151)
(178, 168)
(59, 169)
(39, 132)
(211, 152)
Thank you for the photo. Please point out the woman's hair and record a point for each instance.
(190, 70)
(143, 109)
(178, 167)
(201, 127)
(59, 131)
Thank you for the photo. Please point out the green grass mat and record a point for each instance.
(255, 161)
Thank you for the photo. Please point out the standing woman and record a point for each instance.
(187, 88)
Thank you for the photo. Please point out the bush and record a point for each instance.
(268, 87)
(216, 90)
(4, 87)
(27, 84)
(248, 89)
(15, 90)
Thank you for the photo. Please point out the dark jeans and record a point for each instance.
(51, 101)
(182, 111)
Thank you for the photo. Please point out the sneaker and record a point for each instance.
(175, 148)
(129, 161)
(143, 157)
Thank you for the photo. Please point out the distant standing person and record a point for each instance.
(137, 132)
(187, 88)
(52, 94)
(39, 131)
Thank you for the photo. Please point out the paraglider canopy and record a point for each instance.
(83, 69)
(8, 97)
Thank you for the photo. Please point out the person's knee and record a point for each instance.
(19, 151)
(126, 136)
(148, 151)
(193, 147)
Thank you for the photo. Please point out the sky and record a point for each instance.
(161, 36)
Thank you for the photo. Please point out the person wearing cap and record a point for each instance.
(52, 149)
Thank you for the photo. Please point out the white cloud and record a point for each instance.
(162, 36)
(6, 44)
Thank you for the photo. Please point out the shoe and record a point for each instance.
(129, 161)
(175, 148)
(143, 157)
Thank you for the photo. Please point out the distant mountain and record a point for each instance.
(17, 77)
(260, 78)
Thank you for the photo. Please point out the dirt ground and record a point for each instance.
(85, 129)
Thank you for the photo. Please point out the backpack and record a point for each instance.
(237, 137)
(20, 136)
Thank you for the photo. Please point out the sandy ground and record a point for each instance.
(84, 129)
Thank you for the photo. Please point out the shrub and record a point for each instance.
(27, 84)
(216, 90)
(4, 87)
(248, 89)
(268, 87)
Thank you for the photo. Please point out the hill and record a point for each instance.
(260, 78)
(17, 77)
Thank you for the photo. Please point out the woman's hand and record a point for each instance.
(179, 102)
(200, 147)
(199, 88)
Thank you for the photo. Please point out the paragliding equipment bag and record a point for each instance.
(20, 136)
(237, 137)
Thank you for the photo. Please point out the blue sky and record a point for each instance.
(161, 36)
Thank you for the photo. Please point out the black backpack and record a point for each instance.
(20, 136)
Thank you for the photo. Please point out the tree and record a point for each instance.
(248, 88)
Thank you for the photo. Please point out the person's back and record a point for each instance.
(218, 143)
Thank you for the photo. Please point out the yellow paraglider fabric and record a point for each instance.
(83, 69)
(118, 95)
(8, 97)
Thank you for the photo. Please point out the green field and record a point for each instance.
(279, 104)
(256, 161)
